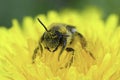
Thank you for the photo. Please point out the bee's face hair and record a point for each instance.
(52, 39)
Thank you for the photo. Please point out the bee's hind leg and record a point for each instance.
(69, 63)
(84, 44)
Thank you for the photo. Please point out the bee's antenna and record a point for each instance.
(42, 24)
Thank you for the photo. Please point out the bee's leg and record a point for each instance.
(69, 49)
(91, 54)
(36, 52)
(63, 48)
(84, 44)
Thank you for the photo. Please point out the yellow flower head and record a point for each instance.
(17, 46)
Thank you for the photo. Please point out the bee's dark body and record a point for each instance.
(59, 35)
(62, 38)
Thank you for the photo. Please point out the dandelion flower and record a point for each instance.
(17, 45)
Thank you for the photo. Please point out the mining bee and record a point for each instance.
(59, 35)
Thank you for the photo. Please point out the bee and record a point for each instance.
(59, 35)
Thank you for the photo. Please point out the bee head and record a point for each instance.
(51, 38)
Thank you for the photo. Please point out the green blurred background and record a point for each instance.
(10, 9)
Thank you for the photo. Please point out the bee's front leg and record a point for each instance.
(63, 48)
(36, 52)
